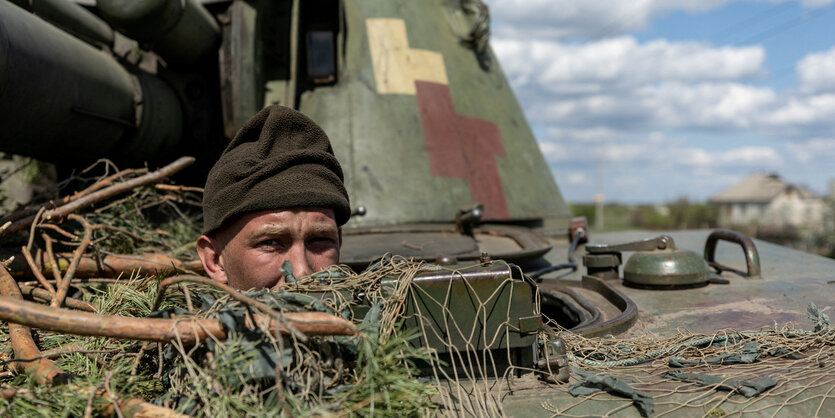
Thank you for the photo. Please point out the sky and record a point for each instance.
(649, 101)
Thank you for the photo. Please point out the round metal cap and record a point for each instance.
(666, 268)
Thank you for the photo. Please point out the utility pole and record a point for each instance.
(598, 196)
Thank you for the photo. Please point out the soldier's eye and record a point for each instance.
(270, 243)
(321, 242)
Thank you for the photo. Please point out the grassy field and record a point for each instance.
(682, 214)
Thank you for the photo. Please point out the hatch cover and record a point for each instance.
(514, 244)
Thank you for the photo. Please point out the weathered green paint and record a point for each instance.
(379, 137)
(485, 296)
(791, 279)
(674, 267)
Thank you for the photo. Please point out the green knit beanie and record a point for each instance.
(280, 159)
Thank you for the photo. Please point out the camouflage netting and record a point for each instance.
(387, 369)
(729, 373)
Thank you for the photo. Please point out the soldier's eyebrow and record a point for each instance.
(322, 229)
(270, 230)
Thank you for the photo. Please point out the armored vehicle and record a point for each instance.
(440, 165)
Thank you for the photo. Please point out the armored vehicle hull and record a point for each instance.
(440, 165)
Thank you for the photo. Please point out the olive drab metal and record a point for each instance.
(417, 108)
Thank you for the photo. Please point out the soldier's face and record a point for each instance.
(249, 252)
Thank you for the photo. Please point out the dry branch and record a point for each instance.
(20, 336)
(232, 292)
(44, 296)
(36, 271)
(105, 193)
(64, 286)
(112, 265)
(186, 330)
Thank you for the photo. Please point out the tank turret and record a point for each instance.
(416, 105)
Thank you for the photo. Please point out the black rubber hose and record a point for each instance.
(571, 264)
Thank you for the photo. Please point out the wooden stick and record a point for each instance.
(42, 370)
(37, 271)
(232, 292)
(44, 296)
(112, 265)
(179, 188)
(187, 330)
(64, 286)
(53, 263)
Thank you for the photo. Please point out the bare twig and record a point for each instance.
(88, 410)
(67, 280)
(112, 396)
(50, 255)
(7, 262)
(232, 292)
(106, 193)
(59, 230)
(51, 354)
(37, 271)
(35, 220)
(178, 189)
(44, 296)
(99, 184)
(127, 233)
(187, 294)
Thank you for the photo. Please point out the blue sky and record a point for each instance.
(673, 98)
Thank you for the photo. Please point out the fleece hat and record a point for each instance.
(280, 159)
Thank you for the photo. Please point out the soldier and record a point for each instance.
(276, 194)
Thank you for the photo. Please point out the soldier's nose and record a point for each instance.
(298, 258)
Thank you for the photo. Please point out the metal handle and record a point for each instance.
(752, 257)
(663, 242)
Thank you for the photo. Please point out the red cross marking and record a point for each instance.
(462, 147)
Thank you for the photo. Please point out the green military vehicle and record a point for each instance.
(524, 313)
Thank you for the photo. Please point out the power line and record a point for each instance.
(784, 27)
(751, 21)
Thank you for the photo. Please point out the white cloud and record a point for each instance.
(663, 153)
(804, 111)
(814, 150)
(598, 89)
(658, 113)
(577, 178)
(587, 134)
(753, 157)
(711, 106)
(620, 84)
(587, 18)
(594, 19)
(620, 63)
(816, 72)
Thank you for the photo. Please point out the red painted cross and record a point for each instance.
(462, 147)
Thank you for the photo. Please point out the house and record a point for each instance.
(766, 200)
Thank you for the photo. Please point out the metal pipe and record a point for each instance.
(182, 32)
(61, 99)
(72, 18)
